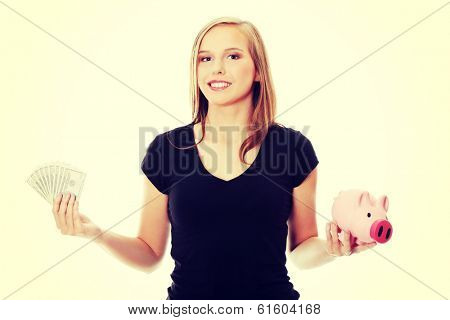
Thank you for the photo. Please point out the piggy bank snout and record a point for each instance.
(381, 231)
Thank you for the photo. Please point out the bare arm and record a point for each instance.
(306, 250)
(142, 252)
(145, 250)
(311, 253)
(130, 250)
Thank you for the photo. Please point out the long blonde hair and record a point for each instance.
(264, 100)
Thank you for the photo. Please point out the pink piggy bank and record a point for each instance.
(364, 216)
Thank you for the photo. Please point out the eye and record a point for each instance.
(234, 55)
(368, 215)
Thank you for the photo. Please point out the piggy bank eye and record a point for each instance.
(368, 214)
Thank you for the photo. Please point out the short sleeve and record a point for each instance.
(305, 159)
(154, 164)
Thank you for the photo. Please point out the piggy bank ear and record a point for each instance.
(384, 202)
(363, 198)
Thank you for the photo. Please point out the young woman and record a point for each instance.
(233, 184)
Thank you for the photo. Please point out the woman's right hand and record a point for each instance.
(69, 220)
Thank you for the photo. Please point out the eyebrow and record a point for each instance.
(229, 49)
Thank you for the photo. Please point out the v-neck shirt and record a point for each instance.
(207, 172)
(229, 236)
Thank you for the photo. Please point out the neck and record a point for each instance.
(229, 121)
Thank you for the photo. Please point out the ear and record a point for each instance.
(364, 197)
(384, 202)
(257, 77)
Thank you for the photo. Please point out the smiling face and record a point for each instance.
(223, 55)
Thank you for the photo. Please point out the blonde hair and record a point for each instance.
(264, 101)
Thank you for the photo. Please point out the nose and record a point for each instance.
(381, 231)
(218, 67)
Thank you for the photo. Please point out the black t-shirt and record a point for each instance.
(229, 237)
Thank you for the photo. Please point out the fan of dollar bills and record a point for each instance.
(53, 178)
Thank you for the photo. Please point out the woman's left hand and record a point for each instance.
(337, 248)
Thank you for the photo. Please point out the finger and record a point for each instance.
(76, 218)
(56, 202)
(346, 249)
(329, 239)
(69, 215)
(55, 209)
(364, 247)
(62, 213)
(336, 242)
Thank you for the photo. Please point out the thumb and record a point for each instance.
(364, 247)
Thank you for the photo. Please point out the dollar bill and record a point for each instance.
(58, 177)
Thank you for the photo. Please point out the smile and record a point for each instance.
(219, 86)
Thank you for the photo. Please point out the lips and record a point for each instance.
(222, 88)
(218, 81)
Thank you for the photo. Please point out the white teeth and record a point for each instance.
(219, 84)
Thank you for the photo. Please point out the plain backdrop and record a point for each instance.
(80, 80)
